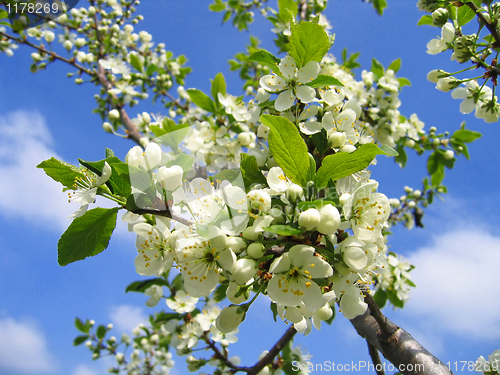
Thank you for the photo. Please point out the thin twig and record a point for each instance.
(163, 213)
(490, 26)
(377, 363)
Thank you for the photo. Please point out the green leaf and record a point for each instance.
(264, 58)
(201, 100)
(311, 173)
(283, 230)
(227, 174)
(61, 172)
(288, 148)
(101, 332)
(220, 292)
(135, 62)
(377, 69)
(324, 81)
(109, 153)
(250, 171)
(393, 298)
(87, 235)
(380, 298)
(217, 7)
(425, 20)
(320, 141)
(395, 65)
(274, 309)
(344, 164)
(218, 86)
(164, 317)
(438, 176)
(3, 14)
(151, 69)
(81, 326)
(309, 42)
(465, 15)
(401, 158)
(318, 204)
(288, 9)
(379, 6)
(80, 340)
(182, 160)
(141, 286)
(465, 135)
(388, 150)
(403, 82)
(119, 181)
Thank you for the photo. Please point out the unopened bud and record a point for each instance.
(256, 250)
(68, 45)
(114, 115)
(108, 128)
(449, 154)
(230, 318)
(309, 219)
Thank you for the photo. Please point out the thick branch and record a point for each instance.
(400, 348)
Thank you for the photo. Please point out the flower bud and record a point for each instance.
(114, 115)
(49, 36)
(337, 139)
(449, 154)
(348, 148)
(36, 56)
(293, 192)
(68, 45)
(256, 250)
(170, 178)
(119, 357)
(146, 118)
(447, 83)
(250, 234)
(329, 220)
(243, 270)
(440, 17)
(245, 138)
(125, 338)
(309, 219)
(234, 288)
(410, 143)
(236, 244)
(263, 131)
(434, 75)
(108, 128)
(230, 318)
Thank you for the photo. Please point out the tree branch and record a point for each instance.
(399, 347)
(164, 213)
(491, 27)
(377, 363)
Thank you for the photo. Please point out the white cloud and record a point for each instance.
(456, 279)
(84, 370)
(23, 348)
(25, 191)
(126, 318)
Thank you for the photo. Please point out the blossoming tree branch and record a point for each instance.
(265, 196)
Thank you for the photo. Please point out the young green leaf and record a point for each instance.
(288, 148)
(201, 100)
(141, 286)
(309, 42)
(324, 81)
(61, 172)
(395, 65)
(379, 6)
(344, 164)
(425, 20)
(218, 86)
(135, 62)
(465, 135)
(377, 69)
(283, 230)
(87, 235)
(250, 171)
(264, 58)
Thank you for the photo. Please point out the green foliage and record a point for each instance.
(283, 230)
(395, 65)
(202, 100)
(288, 10)
(344, 164)
(319, 203)
(309, 42)
(288, 148)
(380, 297)
(426, 19)
(141, 286)
(379, 6)
(119, 181)
(218, 86)
(324, 81)
(465, 135)
(251, 172)
(87, 235)
(265, 58)
(220, 292)
(61, 172)
(350, 62)
(377, 69)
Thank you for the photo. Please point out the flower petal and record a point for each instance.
(285, 100)
(306, 94)
(309, 72)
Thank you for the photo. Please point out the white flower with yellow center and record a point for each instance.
(292, 282)
(182, 303)
(367, 211)
(156, 254)
(342, 122)
(86, 189)
(351, 297)
(293, 82)
(201, 263)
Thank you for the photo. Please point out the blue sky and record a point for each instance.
(453, 312)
